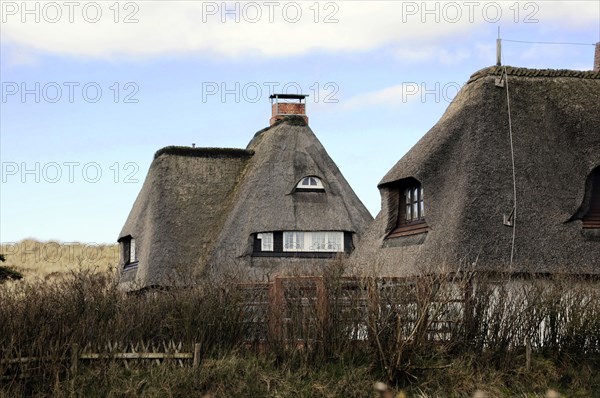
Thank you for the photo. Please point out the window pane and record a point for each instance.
(415, 211)
(415, 196)
(266, 242)
(287, 241)
(335, 241)
(293, 241)
(407, 196)
(132, 253)
(300, 241)
(408, 212)
(310, 183)
(325, 241)
(318, 241)
(422, 200)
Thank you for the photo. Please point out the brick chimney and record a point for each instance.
(597, 58)
(284, 105)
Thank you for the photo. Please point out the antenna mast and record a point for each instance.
(498, 49)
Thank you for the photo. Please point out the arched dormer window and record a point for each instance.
(591, 218)
(310, 183)
(410, 210)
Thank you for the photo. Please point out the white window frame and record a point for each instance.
(310, 182)
(132, 251)
(313, 241)
(266, 241)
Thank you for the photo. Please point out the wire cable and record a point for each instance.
(550, 42)
(514, 174)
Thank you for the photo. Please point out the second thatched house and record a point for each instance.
(279, 206)
(508, 180)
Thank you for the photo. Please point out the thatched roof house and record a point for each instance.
(280, 205)
(450, 201)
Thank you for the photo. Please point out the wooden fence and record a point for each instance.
(25, 367)
(290, 307)
(292, 312)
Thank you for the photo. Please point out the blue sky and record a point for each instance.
(380, 74)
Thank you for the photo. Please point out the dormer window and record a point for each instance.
(414, 208)
(128, 251)
(411, 211)
(310, 183)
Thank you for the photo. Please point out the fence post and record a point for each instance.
(74, 358)
(196, 355)
(528, 354)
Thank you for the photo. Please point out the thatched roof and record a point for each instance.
(464, 165)
(284, 154)
(199, 207)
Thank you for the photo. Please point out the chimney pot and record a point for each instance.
(279, 110)
(597, 58)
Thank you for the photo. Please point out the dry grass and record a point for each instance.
(52, 260)
(483, 349)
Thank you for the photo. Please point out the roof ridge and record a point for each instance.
(203, 152)
(528, 72)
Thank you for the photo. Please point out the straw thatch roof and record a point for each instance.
(199, 207)
(464, 166)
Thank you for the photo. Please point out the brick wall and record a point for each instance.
(279, 110)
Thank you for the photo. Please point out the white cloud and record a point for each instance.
(570, 14)
(185, 27)
(19, 57)
(388, 97)
(537, 52)
(438, 54)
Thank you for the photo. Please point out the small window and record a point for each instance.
(132, 251)
(129, 251)
(414, 210)
(310, 183)
(411, 211)
(266, 242)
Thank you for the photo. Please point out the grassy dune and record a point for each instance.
(50, 260)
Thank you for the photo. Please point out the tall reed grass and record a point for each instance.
(441, 334)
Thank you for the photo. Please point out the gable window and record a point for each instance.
(591, 219)
(411, 211)
(310, 183)
(128, 251)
